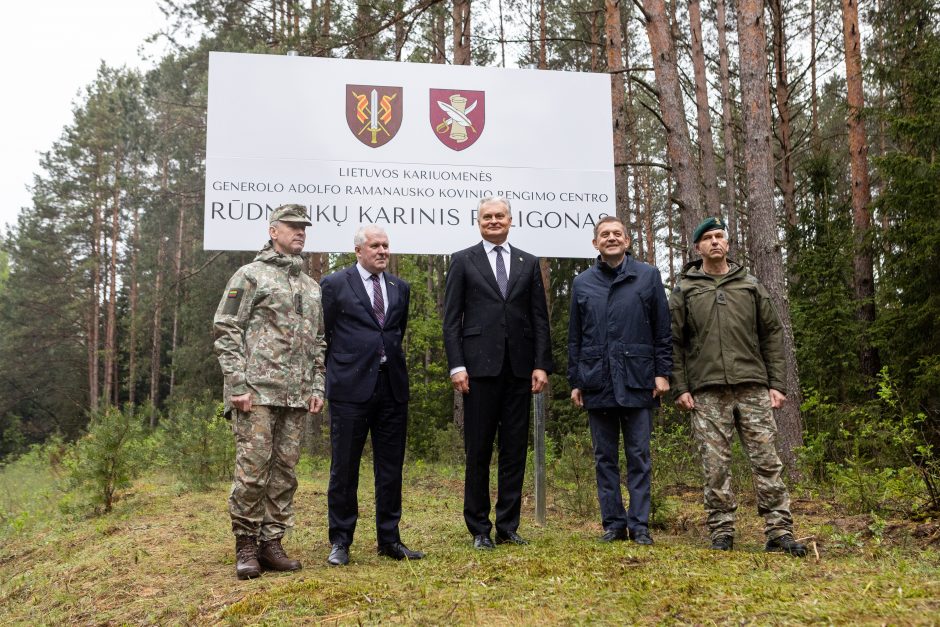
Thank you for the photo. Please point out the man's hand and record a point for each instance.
(662, 386)
(539, 380)
(576, 397)
(685, 402)
(777, 399)
(242, 402)
(461, 381)
(316, 404)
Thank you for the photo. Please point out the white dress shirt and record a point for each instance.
(370, 290)
(488, 248)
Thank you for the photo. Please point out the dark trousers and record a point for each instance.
(495, 406)
(606, 426)
(350, 423)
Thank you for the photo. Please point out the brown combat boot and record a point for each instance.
(273, 557)
(246, 557)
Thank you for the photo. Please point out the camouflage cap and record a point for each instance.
(711, 223)
(290, 213)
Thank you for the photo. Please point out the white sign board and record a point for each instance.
(410, 147)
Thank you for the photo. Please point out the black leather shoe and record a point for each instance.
(642, 537)
(398, 551)
(510, 537)
(723, 543)
(614, 535)
(786, 544)
(483, 542)
(339, 555)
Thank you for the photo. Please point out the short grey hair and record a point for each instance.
(488, 199)
(360, 237)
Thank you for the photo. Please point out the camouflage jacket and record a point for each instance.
(269, 333)
(725, 331)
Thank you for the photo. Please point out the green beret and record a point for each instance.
(290, 213)
(708, 224)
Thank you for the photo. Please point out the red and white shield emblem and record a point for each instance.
(458, 116)
(373, 113)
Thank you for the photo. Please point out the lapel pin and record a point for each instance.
(390, 283)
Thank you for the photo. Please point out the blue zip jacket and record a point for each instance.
(619, 336)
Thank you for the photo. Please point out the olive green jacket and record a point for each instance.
(725, 331)
(269, 333)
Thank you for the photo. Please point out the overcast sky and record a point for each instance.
(49, 51)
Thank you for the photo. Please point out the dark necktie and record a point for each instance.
(501, 280)
(378, 301)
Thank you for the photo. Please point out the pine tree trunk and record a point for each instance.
(177, 287)
(157, 333)
(813, 97)
(786, 182)
(615, 67)
(861, 192)
(706, 143)
(727, 124)
(678, 145)
(461, 32)
(110, 335)
(133, 322)
(326, 27)
(763, 243)
(94, 394)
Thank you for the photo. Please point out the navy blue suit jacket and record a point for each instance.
(354, 339)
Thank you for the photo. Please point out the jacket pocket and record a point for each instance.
(592, 368)
(343, 358)
(638, 371)
(472, 331)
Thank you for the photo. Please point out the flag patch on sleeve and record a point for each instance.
(233, 299)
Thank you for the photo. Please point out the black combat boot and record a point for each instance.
(273, 557)
(786, 544)
(723, 543)
(246, 557)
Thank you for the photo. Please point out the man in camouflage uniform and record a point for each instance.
(728, 369)
(269, 338)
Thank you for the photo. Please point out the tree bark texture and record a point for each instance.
(678, 145)
(861, 191)
(763, 241)
(786, 181)
(157, 334)
(615, 66)
(703, 118)
(461, 32)
(727, 121)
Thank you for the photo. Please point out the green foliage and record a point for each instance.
(571, 476)
(881, 458)
(672, 447)
(195, 443)
(30, 488)
(109, 456)
(821, 297)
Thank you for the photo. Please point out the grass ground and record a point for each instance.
(168, 558)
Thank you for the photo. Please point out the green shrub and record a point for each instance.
(571, 476)
(196, 443)
(109, 456)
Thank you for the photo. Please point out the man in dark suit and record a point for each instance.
(499, 352)
(365, 314)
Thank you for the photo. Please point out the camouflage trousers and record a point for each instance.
(718, 412)
(267, 447)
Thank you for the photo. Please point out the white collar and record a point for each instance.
(488, 246)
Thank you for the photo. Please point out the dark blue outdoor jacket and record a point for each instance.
(619, 336)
